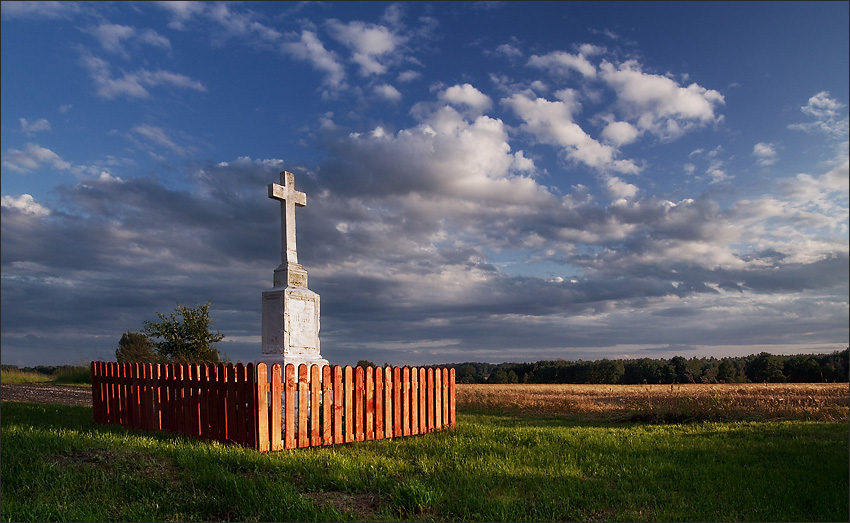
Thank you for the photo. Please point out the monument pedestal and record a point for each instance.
(291, 320)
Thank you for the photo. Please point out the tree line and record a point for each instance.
(756, 368)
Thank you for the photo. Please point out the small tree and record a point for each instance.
(135, 347)
(186, 340)
(365, 363)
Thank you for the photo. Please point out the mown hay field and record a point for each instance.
(664, 403)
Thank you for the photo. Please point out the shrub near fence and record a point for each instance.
(295, 408)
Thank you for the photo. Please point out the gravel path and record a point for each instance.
(45, 393)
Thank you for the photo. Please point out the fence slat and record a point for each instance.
(370, 403)
(261, 408)
(349, 407)
(358, 403)
(327, 405)
(338, 404)
(452, 399)
(290, 388)
(405, 401)
(303, 408)
(379, 403)
(413, 400)
(315, 406)
(388, 402)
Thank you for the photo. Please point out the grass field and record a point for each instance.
(506, 461)
(691, 402)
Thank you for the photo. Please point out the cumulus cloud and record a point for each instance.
(561, 62)
(112, 38)
(658, 104)
(828, 116)
(388, 92)
(33, 157)
(466, 96)
(310, 49)
(26, 204)
(765, 153)
(34, 127)
(371, 44)
(552, 122)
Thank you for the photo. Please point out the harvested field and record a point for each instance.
(664, 403)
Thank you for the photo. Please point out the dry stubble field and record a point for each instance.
(709, 402)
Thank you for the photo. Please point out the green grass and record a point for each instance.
(57, 465)
(65, 375)
(19, 376)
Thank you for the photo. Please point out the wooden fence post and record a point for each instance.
(358, 403)
(370, 403)
(438, 399)
(338, 405)
(261, 408)
(315, 406)
(397, 387)
(290, 388)
(405, 401)
(327, 405)
(349, 410)
(276, 398)
(423, 407)
(414, 401)
(389, 385)
(379, 403)
(303, 408)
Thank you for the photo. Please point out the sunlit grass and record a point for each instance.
(57, 465)
(691, 402)
(19, 376)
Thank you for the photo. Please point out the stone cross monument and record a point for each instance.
(290, 309)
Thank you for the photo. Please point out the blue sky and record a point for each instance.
(485, 181)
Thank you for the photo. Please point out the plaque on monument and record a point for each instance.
(290, 309)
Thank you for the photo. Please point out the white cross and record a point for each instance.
(289, 198)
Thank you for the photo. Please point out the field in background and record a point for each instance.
(664, 403)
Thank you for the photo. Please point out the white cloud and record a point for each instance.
(620, 189)
(619, 133)
(113, 36)
(31, 158)
(182, 11)
(39, 9)
(658, 104)
(24, 203)
(388, 92)
(310, 49)
(561, 63)
(466, 95)
(33, 127)
(370, 44)
(827, 114)
(509, 51)
(765, 153)
(409, 76)
(134, 85)
(552, 123)
(160, 137)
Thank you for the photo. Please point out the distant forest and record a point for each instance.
(757, 368)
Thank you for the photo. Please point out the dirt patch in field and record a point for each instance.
(45, 393)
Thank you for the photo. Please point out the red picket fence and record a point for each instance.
(292, 408)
